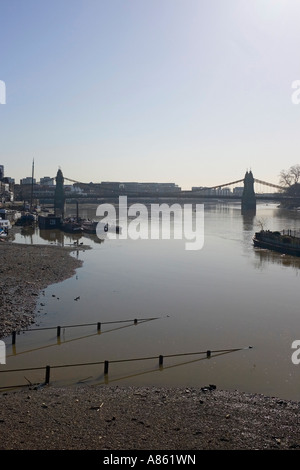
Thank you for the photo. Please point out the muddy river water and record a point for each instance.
(221, 298)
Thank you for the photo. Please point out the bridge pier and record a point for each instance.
(59, 195)
(248, 196)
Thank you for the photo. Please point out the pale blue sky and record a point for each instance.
(187, 91)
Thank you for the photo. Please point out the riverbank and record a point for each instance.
(25, 271)
(131, 418)
(122, 418)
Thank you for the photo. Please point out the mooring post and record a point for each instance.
(47, 378)
(161, 360)
(58, 332)
(208, 353)
(13, 338)
(98, 326)
(135, 321)
(105, 367)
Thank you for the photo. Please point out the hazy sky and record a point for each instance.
(187, 91)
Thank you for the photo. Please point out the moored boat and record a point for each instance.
(3, 213)
(71, 226)
(89, 226)
(94, 226)
(3, 234)
(283, 242)
(49, 221)
(5, 225)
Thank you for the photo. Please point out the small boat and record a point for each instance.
(283, 242)
(3, 213)
(5, 225)
(101, 227)
(49, 221)
(89, 226)
(71, 226)
(95, 226)
(3, 233)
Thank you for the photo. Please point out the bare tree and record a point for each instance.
(295, 172)
(261, 223)
(290, 177)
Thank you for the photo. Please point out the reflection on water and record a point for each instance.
(33, 235)
(248, 220)
(227, 295)
(264, 257)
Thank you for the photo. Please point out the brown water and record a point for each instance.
(225, 296)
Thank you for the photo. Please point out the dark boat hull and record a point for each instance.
(71, 228)
(97, 227)
(279, 247)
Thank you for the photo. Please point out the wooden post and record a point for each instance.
(13, 338)
(58, 331)
(98, 326)
(208, 353)
(161, 360)
(105, 367)
(47, 378)
(135, 321)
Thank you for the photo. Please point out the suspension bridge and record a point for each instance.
(236, 189)
(261, 187)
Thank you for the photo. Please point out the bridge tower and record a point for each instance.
(248, 196)
(59, 195)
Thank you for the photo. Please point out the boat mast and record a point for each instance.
(31, 201)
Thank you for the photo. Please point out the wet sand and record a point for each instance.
(131, 418)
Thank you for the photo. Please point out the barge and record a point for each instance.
(284, 242)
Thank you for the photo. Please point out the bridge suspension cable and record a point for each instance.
(68, 179)
(74, 181)
(269, 184)
(222, 185)
(265, 183)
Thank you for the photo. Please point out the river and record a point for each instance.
(227, 296)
